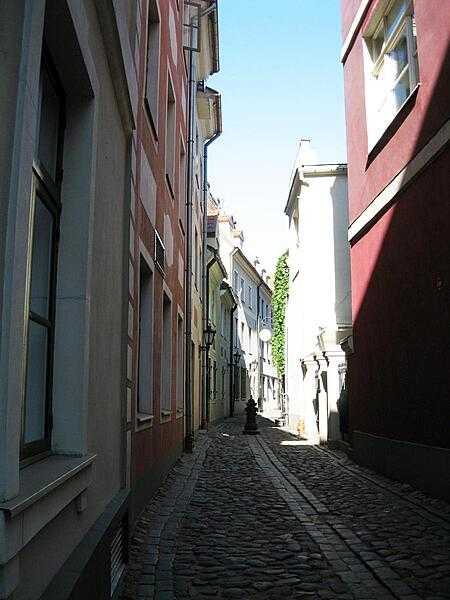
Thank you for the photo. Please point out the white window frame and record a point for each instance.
(378, 113)
(144, 396)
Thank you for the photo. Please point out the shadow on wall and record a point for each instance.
(399, 376)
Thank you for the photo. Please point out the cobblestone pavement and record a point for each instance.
(265, 517)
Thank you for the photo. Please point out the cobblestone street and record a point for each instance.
(268, 517)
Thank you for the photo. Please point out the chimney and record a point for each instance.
(306, 155)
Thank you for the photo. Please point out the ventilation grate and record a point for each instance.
(118, 557)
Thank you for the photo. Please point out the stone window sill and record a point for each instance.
(46, 488)
(166, 416)
(144, 420)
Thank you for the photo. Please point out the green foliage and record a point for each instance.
(279, 301)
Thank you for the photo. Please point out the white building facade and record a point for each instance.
(318, 315)
(254, 373)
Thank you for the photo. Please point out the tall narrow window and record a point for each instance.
(152, 74)
(46, 207)
(145, 358)
(235, 282)
(170, 136)
(182, 186)
(243, 383)
(166, 355)
(195, 257)
(180, 365)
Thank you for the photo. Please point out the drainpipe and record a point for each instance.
(205, 271)
(258, 341)
(233, 310)
(205, 349)
(189, 433)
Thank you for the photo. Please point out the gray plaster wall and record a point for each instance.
(10, 46)
(102, 304)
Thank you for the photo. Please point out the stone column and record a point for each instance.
(336, 358)
(322, 363)
(309, 367)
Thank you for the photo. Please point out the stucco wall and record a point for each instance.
(420, 120)
(398, 376)
(157, 444)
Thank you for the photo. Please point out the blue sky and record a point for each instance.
(281, 80)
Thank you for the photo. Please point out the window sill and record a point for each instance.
(166, 416)
(46, 488)
(144, 420)
(376, 146)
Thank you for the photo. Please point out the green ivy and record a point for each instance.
(279, 301)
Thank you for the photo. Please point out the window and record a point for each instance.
(196, 257)
(180, 365)
(145, 358)
(393, 69)
(243, 383)
(250, 341)
(250, 299)
(182, 186)
(152, 75)
(235, 282)
(222, 319)
(37, 407)
(170, 135)
(242, 294)
(166, 355)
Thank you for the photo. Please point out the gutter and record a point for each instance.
(206, 383)
(189, 437)
(232, 368)
(205, 267)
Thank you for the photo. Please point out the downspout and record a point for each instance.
(258, 341)
(205, 276)
(189, 434)
(205, 349)
(233, 310)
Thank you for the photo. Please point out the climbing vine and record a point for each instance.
(279, 301)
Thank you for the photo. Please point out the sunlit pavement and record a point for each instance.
(259, 517)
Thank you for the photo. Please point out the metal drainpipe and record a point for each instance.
(205, 349)
(258, 387)
(233, 310)
(205, 278)
(189, 438)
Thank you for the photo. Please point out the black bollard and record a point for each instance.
(251, 428)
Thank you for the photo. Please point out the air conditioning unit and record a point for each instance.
(160, 253)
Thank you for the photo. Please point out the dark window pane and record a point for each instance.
(48, 123)
(34, 426)
(41, 259)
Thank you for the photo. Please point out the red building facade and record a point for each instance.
(396, 57)
(155, 376)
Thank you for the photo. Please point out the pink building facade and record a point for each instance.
(396, 58)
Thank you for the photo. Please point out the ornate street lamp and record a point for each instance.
(208, 336)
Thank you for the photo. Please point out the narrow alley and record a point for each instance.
(270, 517)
